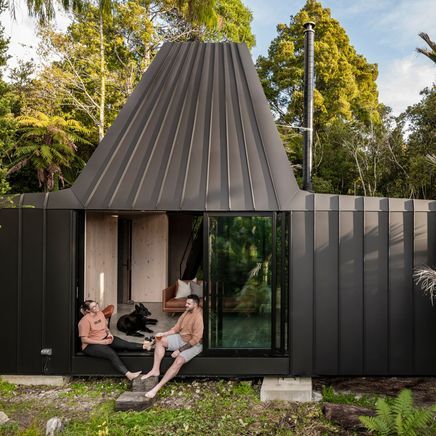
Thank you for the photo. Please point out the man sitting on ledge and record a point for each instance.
(184, 340)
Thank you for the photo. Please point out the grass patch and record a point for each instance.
(217, 407)
(330, 396)
(95, 388)
(7, 389)
(191, 406)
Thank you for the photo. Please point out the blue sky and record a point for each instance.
(384, 31)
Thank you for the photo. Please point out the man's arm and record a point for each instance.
(197, 332)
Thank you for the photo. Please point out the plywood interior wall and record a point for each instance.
(149, 257)
(101, 252)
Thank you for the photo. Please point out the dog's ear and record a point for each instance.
(142, 306)
(137, 308)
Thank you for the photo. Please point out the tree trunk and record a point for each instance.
(102, 81)
(346, 415)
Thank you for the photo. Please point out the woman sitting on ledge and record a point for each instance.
(97, 340)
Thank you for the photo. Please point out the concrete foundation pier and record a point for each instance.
(286, 389)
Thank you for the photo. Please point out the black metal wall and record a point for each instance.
(354, 307)
(37, 281)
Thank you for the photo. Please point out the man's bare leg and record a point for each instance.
(159, 353)
(173, 370)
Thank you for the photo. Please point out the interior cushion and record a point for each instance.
(196, 288)
(183, 289)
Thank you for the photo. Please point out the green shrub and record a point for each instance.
(398, 417)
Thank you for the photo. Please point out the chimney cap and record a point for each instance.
(308, 25)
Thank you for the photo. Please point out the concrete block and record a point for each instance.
(37, 380)
(146, 385)
(286, 389)
(133, 401)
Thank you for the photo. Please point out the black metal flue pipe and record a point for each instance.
(309, 67)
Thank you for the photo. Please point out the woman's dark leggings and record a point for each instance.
(108, 352)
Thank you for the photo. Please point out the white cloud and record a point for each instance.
(401, 81)
(405, 20)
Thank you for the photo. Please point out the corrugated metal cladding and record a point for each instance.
(196, 134)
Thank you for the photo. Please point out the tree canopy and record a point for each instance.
(345, 81)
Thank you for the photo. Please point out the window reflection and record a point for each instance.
(240, 277)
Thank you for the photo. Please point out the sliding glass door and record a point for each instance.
(241, 277)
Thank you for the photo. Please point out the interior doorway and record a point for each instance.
(124, 286)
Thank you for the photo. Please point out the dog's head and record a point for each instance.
(141, 310)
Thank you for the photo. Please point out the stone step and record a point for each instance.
(135, 401)
(139, 385)
(286, 389)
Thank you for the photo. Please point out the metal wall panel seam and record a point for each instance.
(173, 144)
(363, 289)
(314, 287)
(388, 296)
(44, 278)
(225, 56)
(262, 141)
(72, 284)
(19, 281)
(206, 193)
(194, 124)
(90, 193)
(163, 78)
(45, 200)
(156, 141)
(339, 300)
(290, 291)
(412, 289)
(235, 64)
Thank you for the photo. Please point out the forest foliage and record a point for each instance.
(53, 115)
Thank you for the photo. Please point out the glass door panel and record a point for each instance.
(240, 282)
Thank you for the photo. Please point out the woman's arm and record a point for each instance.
(105, 341)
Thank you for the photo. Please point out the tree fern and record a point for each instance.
(399, 418)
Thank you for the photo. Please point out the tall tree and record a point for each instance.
(345, 81)
(420, 119)
(93, 77)
(7, 124)
(345, 92)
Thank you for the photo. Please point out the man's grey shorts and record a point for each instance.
(175, 342)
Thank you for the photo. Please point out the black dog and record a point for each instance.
(137, 320)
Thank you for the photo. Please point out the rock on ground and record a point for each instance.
(54, 425)
(3, 418)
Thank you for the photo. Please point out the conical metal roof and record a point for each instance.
(196, 134)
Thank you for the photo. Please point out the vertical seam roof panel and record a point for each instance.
(244, 136)
(140, 129)
(194, 193)
(162, 127)
(259, 132)
(177, 141)
(91, 176)
(196, 134)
